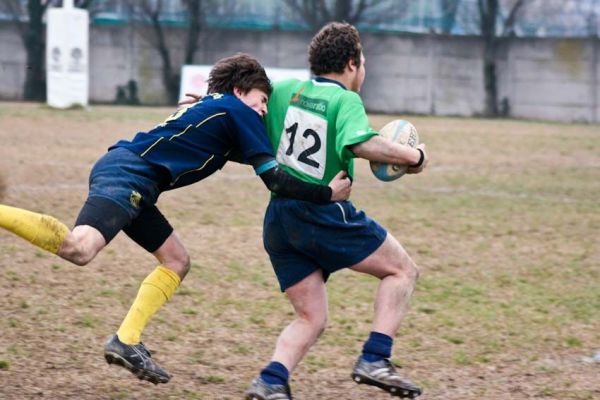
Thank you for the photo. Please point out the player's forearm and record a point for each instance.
(283, 184)
(383, 150)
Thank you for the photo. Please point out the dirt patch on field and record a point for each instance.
(2, 187)
(504, 225)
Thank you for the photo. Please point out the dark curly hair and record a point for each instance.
(241, 71)
(332, 47)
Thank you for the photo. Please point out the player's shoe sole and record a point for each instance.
(144, 375)
(394, 391)
(136, 359)
(260, 390)
(257, 397)
(383, 375)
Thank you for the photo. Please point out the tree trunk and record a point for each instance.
(342, 10)
(449, 9)
(488, 10)
(170, 82)
(196, 15)
(490, 79)
(35, 46)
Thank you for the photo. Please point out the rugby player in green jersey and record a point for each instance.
(317, 128)
(125, 183)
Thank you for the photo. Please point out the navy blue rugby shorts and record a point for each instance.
(127, 179)
(302, 237)
(123, 190)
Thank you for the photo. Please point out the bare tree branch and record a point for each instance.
(322, 14)
(311, 11)
(150, 11)
(360, 9)
(342, 10)
(153, 14)
(35, 46)
(509, 24)
(488, 13)
(16, 11)
(449, 9)
(32, 33)
(316, 13)
(197, 15)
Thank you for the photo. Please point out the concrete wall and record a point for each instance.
(12, 63)
(421, 74)
(120, 53)
(540, 78)
(552, 79)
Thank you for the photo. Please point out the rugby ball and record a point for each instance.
(399, 131)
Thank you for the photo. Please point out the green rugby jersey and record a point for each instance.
(311, 124)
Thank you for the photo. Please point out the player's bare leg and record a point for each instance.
(398, 274)
(309, 299)
(81, 245)
(173, 255)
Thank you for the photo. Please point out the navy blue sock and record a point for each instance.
(275, 374)
(377, 347)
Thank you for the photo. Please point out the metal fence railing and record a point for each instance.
(536, 18)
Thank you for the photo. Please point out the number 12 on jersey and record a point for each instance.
(303, 143)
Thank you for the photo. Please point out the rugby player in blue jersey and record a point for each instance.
(125, 183)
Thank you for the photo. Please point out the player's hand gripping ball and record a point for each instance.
(399, 131)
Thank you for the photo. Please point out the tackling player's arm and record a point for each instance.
(284, 184)
(255, 148)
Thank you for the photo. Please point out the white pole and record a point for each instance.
(67, 46)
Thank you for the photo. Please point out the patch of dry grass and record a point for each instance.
(2, 186)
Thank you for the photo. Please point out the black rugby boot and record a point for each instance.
(135, 358)
(261, 390)
(383, 375)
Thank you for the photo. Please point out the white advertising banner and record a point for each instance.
(67, 57)
(194, 77)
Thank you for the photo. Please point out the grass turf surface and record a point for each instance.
(504, 225)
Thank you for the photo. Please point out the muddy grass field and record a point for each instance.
(504, 224)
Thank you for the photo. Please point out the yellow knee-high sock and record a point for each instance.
(42, 230)
(156, 289)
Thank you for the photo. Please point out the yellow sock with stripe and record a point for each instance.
(42, 230)
(156, 289)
